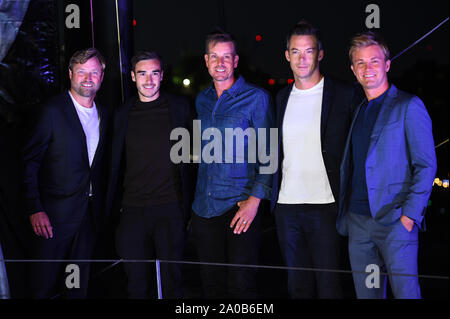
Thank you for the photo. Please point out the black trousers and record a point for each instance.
(153, 232)
(308, 239)
(71, 241)
(216, 243)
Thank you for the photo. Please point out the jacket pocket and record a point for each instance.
(396, 188)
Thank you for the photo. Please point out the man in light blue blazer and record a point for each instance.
(387, 174)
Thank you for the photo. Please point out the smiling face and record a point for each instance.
(304, 57)
(86, 78)
(370, 68)
(221, 60)
(148, 76)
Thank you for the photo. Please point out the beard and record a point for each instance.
(85, 91)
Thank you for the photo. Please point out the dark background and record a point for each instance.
(36, 68)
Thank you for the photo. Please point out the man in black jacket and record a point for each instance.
(313, 116)
(154, 193)
(64, 179)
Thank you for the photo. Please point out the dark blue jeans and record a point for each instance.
(308, 239)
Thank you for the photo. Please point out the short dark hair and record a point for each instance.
(219, 36)
(304, 28)
(366, 39)
(145, 55)
(82, 56)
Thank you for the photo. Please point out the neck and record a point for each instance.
(374, 93)
(144, 99)
(307, 83)
(82, 100)
(221, 86)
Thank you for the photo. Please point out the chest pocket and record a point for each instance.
(231, 121)
(235, 138)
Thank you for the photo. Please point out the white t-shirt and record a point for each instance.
(304, 178)
(91, 126)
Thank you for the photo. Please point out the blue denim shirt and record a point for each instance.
(221, 185)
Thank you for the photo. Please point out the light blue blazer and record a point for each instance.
(400, 163)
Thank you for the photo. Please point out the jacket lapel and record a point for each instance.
(121, 117)
(74, 122)
(327, 98)
(102, 134)
(282, 107)
(281, 110)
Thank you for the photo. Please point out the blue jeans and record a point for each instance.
(390, 247)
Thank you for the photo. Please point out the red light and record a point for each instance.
(271, 81)
(258, 38)
(134, 22)
(289, 81)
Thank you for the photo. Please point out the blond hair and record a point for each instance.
(366, 39)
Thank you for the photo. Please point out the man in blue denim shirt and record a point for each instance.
(230, 184)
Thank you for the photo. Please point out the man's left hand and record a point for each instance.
(245, 215)
(407, 222)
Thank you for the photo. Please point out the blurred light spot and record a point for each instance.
(186, 82)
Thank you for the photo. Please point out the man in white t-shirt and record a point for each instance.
(313, 117)
(64, 180)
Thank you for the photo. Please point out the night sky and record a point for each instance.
(177, 29)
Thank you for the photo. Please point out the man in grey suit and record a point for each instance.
(387, 174)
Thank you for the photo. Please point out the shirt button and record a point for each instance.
(209, 194)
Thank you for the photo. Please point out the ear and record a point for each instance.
(162, 75)
(286, 54)
(70, 74)
(321, 54)
(388, 65)
(206, 59)
(133, 76)
(236, 61)
(353, 70)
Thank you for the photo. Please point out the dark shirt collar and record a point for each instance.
(379, 99)
(151, 104)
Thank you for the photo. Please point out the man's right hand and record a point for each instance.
(41, 225)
